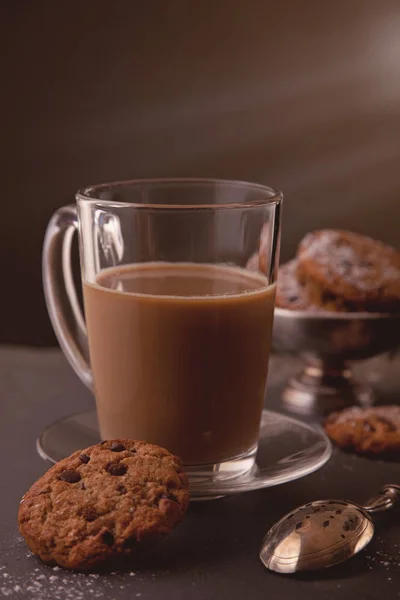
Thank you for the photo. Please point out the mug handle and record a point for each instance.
(60, 293)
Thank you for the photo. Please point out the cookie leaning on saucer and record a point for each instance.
(102, 502)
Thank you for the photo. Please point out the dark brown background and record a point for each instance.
(303, 95)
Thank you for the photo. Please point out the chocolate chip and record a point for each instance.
(70, 476)
(293, 298)
(84, 458)
(298, 525)
(338, 511)
(169, 497)
(328, 296)
(116, 468)
(117, 447)
(121, 489)
(172, 484)
(108, 538)
(325, 523)
(83, 486)
(343, 537)
(368, 427)
(89, 514)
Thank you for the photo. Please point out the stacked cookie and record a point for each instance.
(341, 271)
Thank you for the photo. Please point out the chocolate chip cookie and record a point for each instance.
(103, 502)
(293, 295)
(352, 271)
(367, 430)
(290, 293)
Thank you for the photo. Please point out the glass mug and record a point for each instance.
(178, 283)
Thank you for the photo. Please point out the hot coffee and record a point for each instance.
(179, 353)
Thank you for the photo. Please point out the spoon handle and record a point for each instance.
(388, 496)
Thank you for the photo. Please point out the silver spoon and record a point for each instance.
(323, 533)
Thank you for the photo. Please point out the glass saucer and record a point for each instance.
(288, 449)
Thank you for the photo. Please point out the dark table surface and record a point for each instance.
(214, 553)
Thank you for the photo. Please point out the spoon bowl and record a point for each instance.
(317, 535)
(323, 533)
